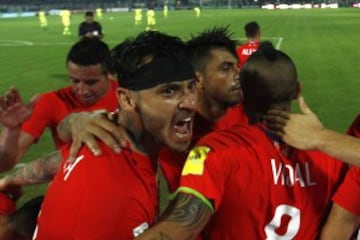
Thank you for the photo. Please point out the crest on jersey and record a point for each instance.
(195, 161)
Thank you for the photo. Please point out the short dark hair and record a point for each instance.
(268, 77)
(88, 52)
(252, 29)
(130, 58)
(89, 14)
(200, 46)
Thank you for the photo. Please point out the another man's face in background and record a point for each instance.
(89, 83)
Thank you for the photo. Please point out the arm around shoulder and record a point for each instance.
(185, 218)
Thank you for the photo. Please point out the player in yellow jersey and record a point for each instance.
(197, 11)
(43, 19)
(98, 13)
(138, 15)
(166, 10)
(151, 22)
(65, 19)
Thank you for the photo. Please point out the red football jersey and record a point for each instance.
(54, 106)
(258, 187)
(113, 196)
(348, 195)
(245, 50)
(172, 163)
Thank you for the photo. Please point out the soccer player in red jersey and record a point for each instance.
(305, 131)
(253, 35)
(213, 55)
(114, 196)
(246, 183)
(344, 218)
(91, 89)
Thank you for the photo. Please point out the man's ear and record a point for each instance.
(111, 76)
(298, 90)
(199, 80)
(125, 98)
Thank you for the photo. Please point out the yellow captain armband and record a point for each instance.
(195, 161)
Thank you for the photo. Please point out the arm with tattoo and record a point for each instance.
(39, 171)
(184, 219)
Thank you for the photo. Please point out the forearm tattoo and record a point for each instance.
(184, 219)
(39, 171)
(188, 211)
(63, 128)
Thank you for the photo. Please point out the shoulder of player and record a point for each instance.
(48, 98)
(107, 154)
(232, 139)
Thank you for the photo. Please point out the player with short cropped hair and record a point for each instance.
(92, 88)
(253, 35)
(241, 182)
(90, 28)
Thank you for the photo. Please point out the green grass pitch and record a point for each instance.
(324, 43)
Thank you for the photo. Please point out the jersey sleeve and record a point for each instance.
(41, 116)
(347, 196)
(204, 175)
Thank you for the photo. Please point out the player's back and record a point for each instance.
(244, 51)
(113, 196)
(262, 190)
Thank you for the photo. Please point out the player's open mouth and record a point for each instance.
(183, 128)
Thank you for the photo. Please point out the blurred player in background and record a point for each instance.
(90, 28)
(138, 15)
(151, 21)
(99, 13)
(43, 20)
(65, 15)
(166, 10)
(253, 35)
(197, 11)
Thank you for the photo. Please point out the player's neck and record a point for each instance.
(210, 108)
(140, 140)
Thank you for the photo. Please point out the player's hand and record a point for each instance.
(13, 191)
(13, 112)
(88, 127)
(299, 130)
